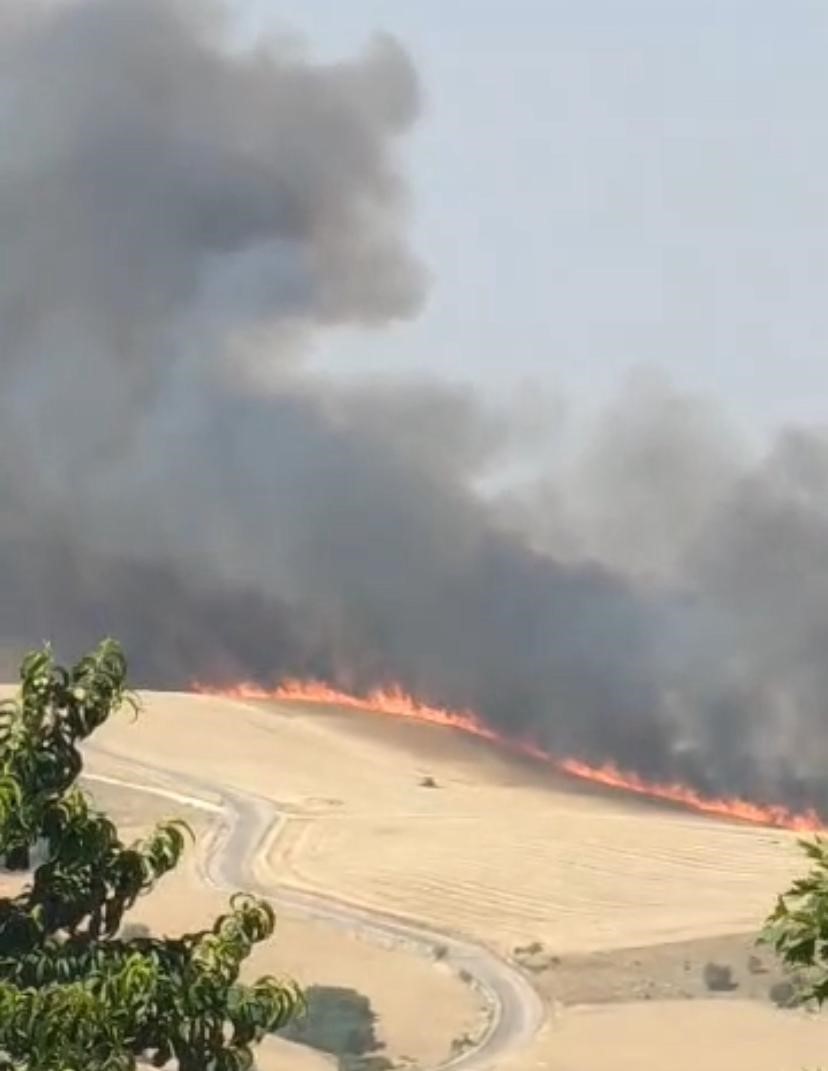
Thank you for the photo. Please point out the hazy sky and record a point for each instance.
(603, 183)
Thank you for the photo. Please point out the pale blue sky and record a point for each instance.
(601, 183)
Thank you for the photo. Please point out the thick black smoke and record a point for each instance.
(178, 218)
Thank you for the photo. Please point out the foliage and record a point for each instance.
(797, 929)
(73, 995)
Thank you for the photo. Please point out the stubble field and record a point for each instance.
(611, 905)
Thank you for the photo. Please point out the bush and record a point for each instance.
(718, 977)
(784, 994)
(532, 949)
(462, 1044)
(797, 929)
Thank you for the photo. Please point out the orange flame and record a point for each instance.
(396, 702)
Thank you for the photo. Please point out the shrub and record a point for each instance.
(718, 977)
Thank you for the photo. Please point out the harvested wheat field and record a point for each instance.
(310, 952)
(612, 906)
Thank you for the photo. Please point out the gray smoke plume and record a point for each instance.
(178, 218)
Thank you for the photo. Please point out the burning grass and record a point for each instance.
(396, 702)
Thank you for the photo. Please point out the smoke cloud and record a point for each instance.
(179, 218)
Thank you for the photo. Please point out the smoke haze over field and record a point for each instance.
(178, 220)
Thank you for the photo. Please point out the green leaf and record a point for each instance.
(72, 996)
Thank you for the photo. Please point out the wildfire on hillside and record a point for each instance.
(396, 702)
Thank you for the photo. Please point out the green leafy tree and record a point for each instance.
(797, 929)
(73, 995)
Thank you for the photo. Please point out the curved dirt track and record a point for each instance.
(247, 824)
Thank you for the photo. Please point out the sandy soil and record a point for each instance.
(707, 1035)
(619, 895)
(135, 813)
(671, 971)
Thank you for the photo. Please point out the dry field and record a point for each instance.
(312, 953)
(502, 851)
(623, 901)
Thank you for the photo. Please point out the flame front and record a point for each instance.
(396, 702)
